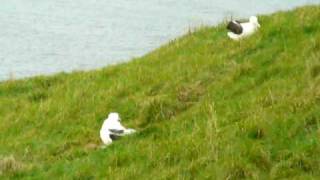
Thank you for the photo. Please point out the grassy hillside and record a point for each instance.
(204, 106)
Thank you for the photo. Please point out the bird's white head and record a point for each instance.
(114, 116)
(254, 20)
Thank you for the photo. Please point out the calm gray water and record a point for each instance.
(49, 36)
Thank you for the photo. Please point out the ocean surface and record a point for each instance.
(50, 36)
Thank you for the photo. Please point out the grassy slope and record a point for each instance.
(205, 107)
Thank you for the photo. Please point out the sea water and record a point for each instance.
(50, 36)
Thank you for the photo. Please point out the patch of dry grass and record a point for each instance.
(9, 165)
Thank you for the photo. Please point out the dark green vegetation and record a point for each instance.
(205, 107)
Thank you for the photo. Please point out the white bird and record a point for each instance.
(240, 30)
(112, 129)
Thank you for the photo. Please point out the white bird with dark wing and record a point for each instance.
(112, 129)
(240, 30)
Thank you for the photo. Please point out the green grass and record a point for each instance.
(205, 107)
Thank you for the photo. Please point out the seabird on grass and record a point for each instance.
(112, 129)
(240, 30)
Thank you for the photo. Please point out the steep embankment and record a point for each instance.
(205, 107)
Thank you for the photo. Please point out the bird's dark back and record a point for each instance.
(235, 27)
(114, 137)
